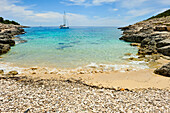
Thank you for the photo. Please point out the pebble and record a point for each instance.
(58, 96)
(13, 73)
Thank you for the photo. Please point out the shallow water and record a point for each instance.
(69, 48)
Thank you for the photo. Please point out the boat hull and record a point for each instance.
(64, 27)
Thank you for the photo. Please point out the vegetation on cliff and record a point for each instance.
(164, 14)
(8, 21)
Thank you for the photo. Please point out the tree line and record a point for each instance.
(2, 20)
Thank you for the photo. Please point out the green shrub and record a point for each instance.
(8, 21)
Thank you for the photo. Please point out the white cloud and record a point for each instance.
(115, 9)
(29, 17)
(99, 2)
(165, 2)
(132, 3)
(141, 12)
(88, 3)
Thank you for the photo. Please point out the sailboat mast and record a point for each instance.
(64, 18)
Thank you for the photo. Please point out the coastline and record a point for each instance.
(85, 89)
(93, 74)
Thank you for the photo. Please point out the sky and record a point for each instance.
(81, 12)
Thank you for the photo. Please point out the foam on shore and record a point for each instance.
(88, 69)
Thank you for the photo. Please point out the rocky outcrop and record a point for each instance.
(164, 70)
(153, 34)
(7, 32)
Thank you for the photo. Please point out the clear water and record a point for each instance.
(69, 48)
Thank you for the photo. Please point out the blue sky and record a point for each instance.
(81, 12)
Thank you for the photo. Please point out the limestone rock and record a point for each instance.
(7, 41)
(164, 70)
(148, 46)
(162, 43)
(4, 48)
(165, 50)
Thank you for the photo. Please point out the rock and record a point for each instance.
(148, 46)
(13, 73)
(164, 70)
(5, 36)
(124, 28)
(4, 48)
(82, 72)
(165, 50)
(135, 44)
(34, 68)
(1, 71)
(161, 28)
(162, 43)
(128, 54)
(133, 38)
(7, 41)
(168, 28)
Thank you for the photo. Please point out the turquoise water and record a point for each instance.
(69, 48)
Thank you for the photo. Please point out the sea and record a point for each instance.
(71, 48)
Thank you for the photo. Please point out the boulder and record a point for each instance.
(162, 43)
(164, 70)
(148, 46)
(4, 48)
(164, 50)
(7, 41)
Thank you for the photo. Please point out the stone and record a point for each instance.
(13, 73)
(128, 54)
(165, 50)
(161, 28)
(7, 41)
(164, 70)
(4, 48)
(135, 44)
(1, 71)
(82, 72)
(163, 43)
(148, 47)
(34, 68)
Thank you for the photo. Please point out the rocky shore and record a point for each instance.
(7, 33)
(154, 38)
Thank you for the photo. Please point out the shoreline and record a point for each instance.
(111, 79)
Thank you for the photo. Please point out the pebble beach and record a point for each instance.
(64, 96)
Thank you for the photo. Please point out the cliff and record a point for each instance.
(152, 34)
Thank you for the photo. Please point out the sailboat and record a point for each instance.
(64, 26)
